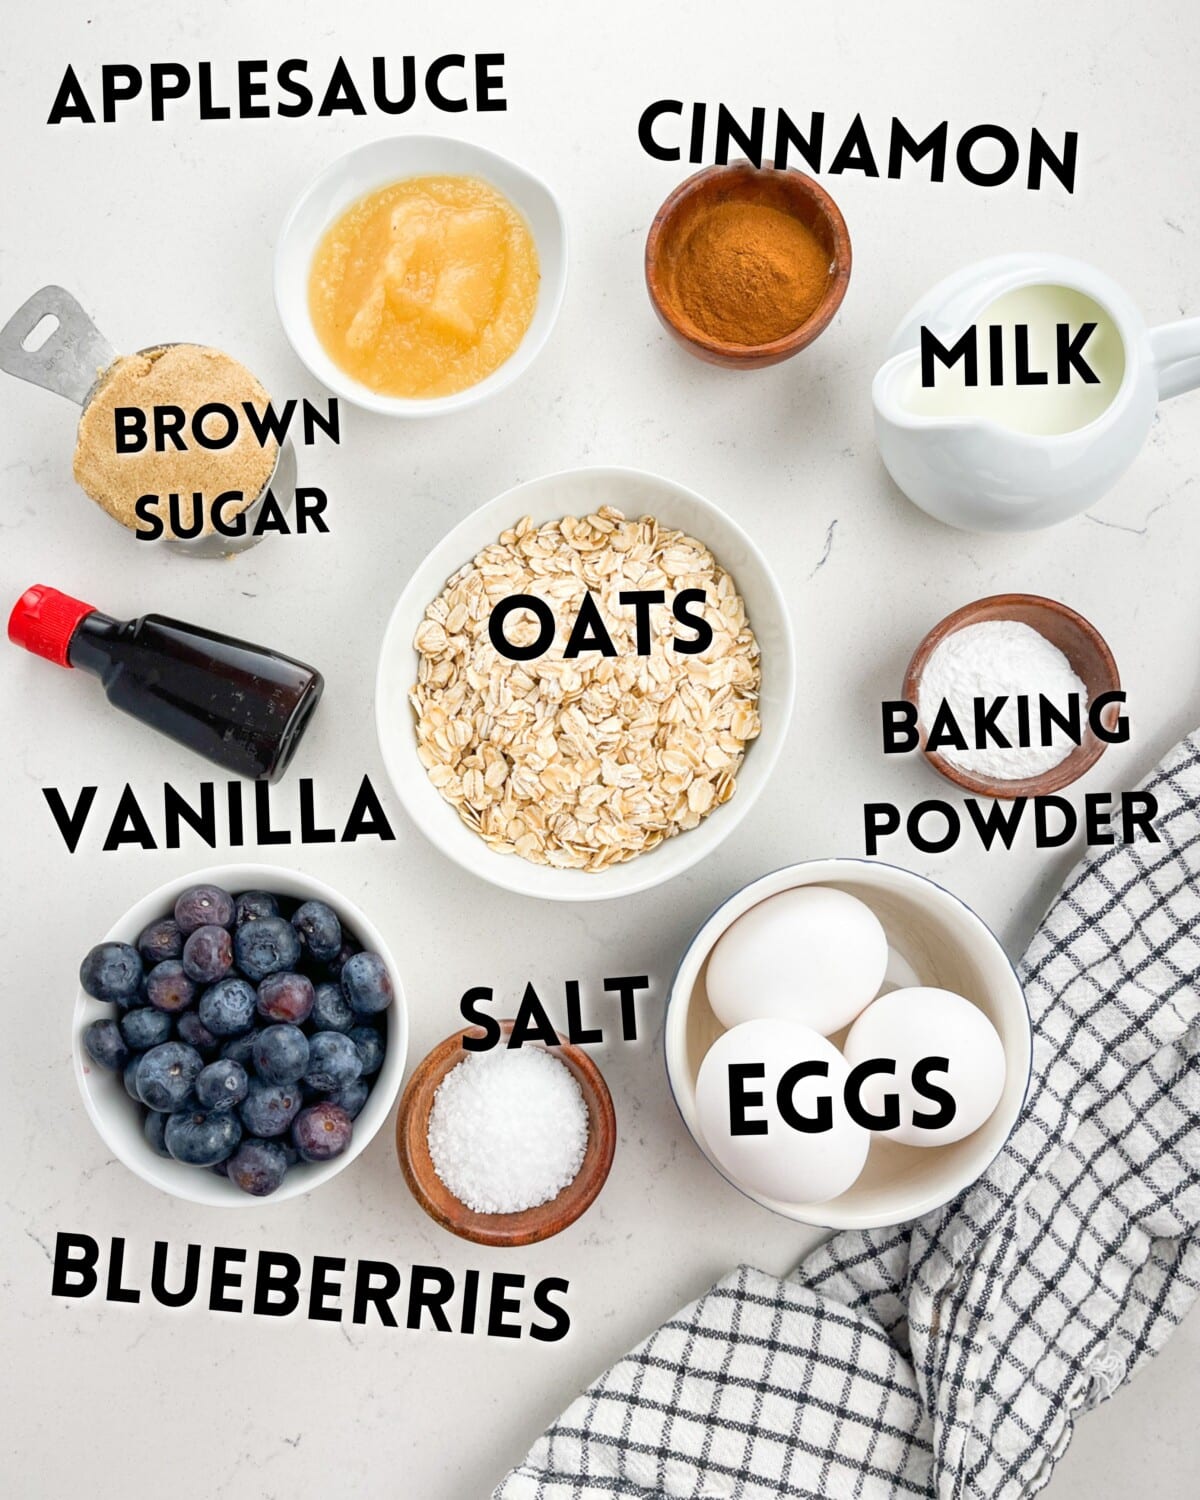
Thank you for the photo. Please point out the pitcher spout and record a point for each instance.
(892, 392)
(889, 392)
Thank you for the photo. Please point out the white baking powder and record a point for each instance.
(992, 659)
(508, 1129)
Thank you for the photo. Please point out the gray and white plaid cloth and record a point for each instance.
(952, 1356)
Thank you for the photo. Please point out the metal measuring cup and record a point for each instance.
(73, 361)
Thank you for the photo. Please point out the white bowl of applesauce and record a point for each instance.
(417, 275)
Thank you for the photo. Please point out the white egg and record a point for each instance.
(909, 1025)
(783, 1163)
(900, 973)
(812, 955)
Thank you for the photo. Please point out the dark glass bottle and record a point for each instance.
(244, 707)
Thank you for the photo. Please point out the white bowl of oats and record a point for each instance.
(611, 743)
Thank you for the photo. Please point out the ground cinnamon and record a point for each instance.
(748, 273)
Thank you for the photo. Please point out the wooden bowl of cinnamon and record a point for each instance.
(747, 265)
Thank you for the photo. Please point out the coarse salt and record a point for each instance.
(992, 659)
(508, 1129)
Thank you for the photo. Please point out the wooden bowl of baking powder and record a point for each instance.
(1078, 640)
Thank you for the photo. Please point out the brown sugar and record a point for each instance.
(749, 273)
(188, 376)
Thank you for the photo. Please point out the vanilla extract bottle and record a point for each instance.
(242, 706)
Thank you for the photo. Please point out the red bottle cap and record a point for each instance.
(44, 620)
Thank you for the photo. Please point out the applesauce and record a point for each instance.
(424, 287)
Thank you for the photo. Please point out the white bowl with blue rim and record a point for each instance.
(934, 939)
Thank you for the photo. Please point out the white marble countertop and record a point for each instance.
(166, 231)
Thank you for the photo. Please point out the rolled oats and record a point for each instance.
(586, 762)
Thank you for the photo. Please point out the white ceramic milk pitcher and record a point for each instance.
(963, 457)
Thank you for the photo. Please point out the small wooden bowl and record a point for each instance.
(412, 1146)
(788, 190)
(1078, 640)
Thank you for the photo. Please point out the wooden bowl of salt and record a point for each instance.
(746, 265)
(529, 1225)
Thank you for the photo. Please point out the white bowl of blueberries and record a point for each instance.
(240, 1034)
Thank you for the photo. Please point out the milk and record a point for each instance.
(1044, 409)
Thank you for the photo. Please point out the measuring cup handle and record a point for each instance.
(68, 361)
(1176, 350)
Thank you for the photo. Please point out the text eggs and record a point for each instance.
(739, 1084)
(814, 956)
(910, 1025)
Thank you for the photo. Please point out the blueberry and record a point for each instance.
(319, 930)
(112, 972)
(154, 1127)
(222, 1084)
(268, 945)
(350, 946)
(333, 1062)
(106, 1045)
(269, 1108)
(240, 1049)
(286, 997)
(145, 1027)
(352, 1097)
(201, 1139)
(252, 906)
(169, 988)
(129, 1078)
(280, 1054)
(322, 1131)
(221, 1168)
(161, 940)
(203, 905)
(227, 1007)
(208, 954)
(166, 1074)
(366, 984)
(257, 1167)
(330, 1011)
(371, 1048)
(192, 1030)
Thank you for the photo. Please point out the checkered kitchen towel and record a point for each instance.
(951, 1356)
